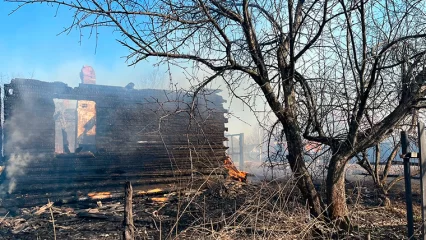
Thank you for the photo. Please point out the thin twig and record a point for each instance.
(53, 219)
(4, 217)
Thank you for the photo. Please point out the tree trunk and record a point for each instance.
(295, 148)
(386, 202)
(336, 194)
(307, 188)
(298, 166)
(287, 116)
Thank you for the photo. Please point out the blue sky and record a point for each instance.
(31, 47)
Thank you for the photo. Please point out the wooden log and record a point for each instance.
(129, 228)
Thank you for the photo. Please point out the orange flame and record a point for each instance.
(159, 199)
(233, 172)
(154, 190)
(99, 195)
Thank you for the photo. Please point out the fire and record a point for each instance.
(154, 190)
(233, 172)
(99, 195)
(159, 199)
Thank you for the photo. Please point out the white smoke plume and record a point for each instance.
(17, 159)
(16, 167)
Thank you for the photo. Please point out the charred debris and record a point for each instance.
(64, 144)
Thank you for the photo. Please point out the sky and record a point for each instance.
(31, 46)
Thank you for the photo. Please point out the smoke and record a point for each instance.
(16, 167)
(18, 160)
(17, 136)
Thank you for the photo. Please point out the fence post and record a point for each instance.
(422, 160)
(129, 228)
(407, 177)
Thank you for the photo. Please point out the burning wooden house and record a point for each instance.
(63, 143)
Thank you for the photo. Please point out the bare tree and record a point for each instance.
(378, 174)
(341, 73)
(379, 161)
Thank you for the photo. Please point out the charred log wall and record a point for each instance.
(143, 136)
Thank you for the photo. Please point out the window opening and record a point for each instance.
(75, 126)
(86, 126)
(65, 125)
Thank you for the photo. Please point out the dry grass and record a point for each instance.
(272, 210)
(219, 210)
(275, 210)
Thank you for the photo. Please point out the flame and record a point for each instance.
(233, 172)
(99, 195)
(159, 199)
(154, 190)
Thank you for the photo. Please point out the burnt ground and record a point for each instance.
(216, 210)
